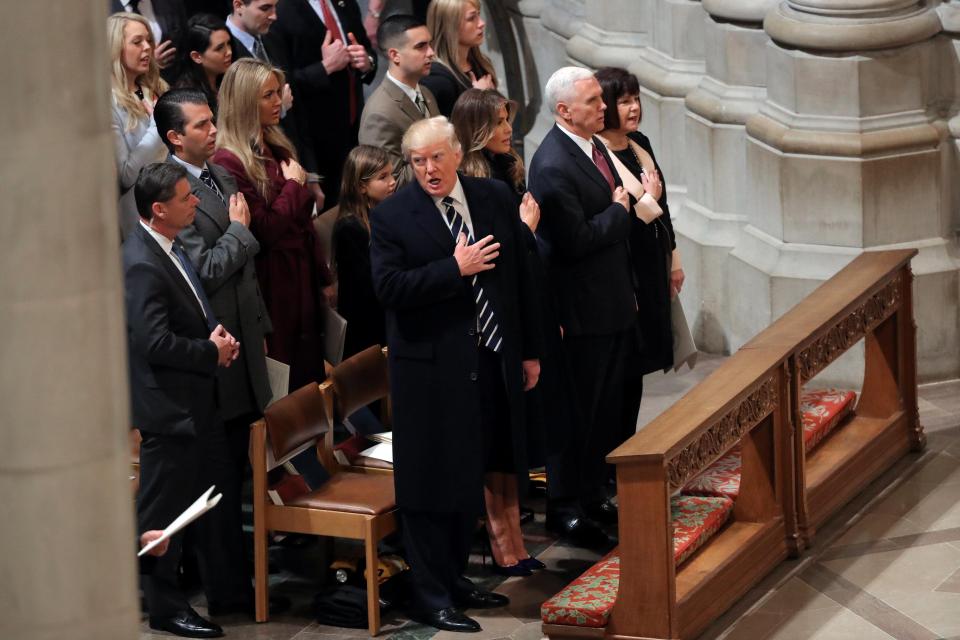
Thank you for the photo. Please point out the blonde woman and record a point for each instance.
(290, 265)
(458, 32)
(367, 181)
(135, 84)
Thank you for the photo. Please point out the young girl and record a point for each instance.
(367, 181)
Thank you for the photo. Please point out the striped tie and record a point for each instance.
(489, 329)
(207, 179)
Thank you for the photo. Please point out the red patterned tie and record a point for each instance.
(331, 22)
(604, 167)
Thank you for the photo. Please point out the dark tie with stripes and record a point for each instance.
(487, 323)
(207, 179)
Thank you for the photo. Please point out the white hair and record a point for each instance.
(424, 133)
(560, 86)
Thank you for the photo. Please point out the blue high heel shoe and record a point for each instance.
(532, 564)
(511, 571)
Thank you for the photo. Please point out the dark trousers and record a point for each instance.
(599, 366)
(174, 472)
(437, 545)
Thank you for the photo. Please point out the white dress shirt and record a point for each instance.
(167, 245)
(459, 205)
(410, 92)
(192, 169)
(585, 145)
(145, 8)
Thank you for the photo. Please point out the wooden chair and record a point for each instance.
(348, 505)
(135, 440)
(354, 383)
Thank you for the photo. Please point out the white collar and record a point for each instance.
(165, 243)
(585, 145)
(192, 169)
(407, 89)
(456, 194)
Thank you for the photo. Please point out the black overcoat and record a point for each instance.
(431, 334)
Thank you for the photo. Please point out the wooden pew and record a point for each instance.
(753, 400)
(870, 299)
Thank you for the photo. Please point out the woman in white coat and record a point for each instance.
(135, 86)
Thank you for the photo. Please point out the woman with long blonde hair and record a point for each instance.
(458, 31)
(135, 85)
(367, 181)
(291, 268)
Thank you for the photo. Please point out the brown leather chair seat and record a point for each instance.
(352, 493)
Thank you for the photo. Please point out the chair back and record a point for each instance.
(296, 420)
(359, 380)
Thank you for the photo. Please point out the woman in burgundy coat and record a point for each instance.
(290, 266)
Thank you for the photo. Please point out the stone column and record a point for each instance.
(668, 69)
(551, 23)
(846, 155)
(950, 20)
(67, 538)
(708, 222)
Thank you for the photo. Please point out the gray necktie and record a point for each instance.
(259, 52)
(422, 105)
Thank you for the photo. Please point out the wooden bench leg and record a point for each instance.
(261, 572)
(373, 578)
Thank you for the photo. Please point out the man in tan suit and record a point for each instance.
(400, 100)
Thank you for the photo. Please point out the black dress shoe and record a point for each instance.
(479, 599)
(517, 570)
(448, 619)
(187, 624)
(579, 530)
(277, 604)
(604, 512)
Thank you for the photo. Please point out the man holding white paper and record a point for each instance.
(175, 348)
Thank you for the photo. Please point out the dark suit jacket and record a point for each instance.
(387, 116)
(586, 236)
(172, 361)
(321, 102)
(444, 86)
(431, 333)
(223, 254)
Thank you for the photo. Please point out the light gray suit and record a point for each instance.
(133, 150)
(388, 114)
(222, 252)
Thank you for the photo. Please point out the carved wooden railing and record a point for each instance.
(753, 399)
(870, 300)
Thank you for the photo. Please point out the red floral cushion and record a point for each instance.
(722, 478)
(695, 519)
(588, 600)
(821, 410)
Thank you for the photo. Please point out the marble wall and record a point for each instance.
(793, 135)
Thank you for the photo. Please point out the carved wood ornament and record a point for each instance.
(845, 333)
(723, 434)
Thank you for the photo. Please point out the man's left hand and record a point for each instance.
(531, 374)
(359, 58)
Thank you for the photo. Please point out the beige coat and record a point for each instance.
(386, 117)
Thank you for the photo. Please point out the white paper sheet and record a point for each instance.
(203, 504)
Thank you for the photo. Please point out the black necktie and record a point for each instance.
(207, 179)
(195, 281)
(134, 6)
(485, 319)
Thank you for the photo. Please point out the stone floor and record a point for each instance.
(887, 566)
